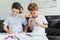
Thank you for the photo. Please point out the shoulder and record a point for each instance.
(42, 16)
(23, 14)
(7, 17)
(20, 15)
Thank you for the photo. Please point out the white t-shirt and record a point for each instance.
(37, 29)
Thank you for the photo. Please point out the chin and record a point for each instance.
(34, 17)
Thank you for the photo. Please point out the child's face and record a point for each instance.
(34, 13)
(15, 11)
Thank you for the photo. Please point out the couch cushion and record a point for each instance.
(1, 26)
(53, 22)
(53, 31)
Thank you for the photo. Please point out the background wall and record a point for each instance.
(5, 8)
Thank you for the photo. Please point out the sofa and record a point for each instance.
(53, 30)
(53, 25)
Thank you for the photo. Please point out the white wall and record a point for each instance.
(51, 11)
(5, 8)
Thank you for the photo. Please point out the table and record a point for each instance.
(23, 36)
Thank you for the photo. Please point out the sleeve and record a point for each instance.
(24, 21)
(6, 21)
(44, 20)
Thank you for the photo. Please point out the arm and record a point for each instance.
(42, 25)
(5, 28)
(24, 22)
(25, 28)
(45, 23)
(27, 15)
(31, 25)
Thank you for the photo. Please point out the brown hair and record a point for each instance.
(16, 5)
(32, 7)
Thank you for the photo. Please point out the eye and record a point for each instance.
(31, 13)
(17, 12)
(13, 11)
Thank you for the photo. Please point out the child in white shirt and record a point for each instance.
(37, 23)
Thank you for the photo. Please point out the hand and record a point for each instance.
(10, 31)
(37, 23)
(33, 21)
(14, 36)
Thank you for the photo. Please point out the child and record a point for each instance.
(13, 23)
(38, 22)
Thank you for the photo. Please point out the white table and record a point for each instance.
(23, 36)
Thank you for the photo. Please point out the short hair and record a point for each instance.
(32, 7)
(16, 5)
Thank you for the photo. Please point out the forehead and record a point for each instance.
(15, 9)
(32, 11)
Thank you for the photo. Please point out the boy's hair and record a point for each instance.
(32, 7)
(16, 5)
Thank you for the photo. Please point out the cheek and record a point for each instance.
(34, 14)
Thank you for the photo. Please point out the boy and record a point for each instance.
(38, 22)
(13, 23)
